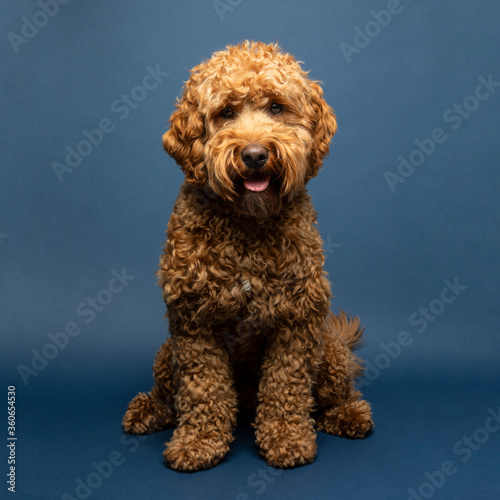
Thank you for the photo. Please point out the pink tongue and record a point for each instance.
(257, 184)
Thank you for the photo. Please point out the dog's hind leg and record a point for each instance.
(340, 409)
(154, 411)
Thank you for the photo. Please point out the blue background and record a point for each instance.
(389, 252)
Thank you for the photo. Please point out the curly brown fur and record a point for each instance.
(242, 272)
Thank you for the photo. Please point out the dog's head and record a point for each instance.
(250, 127)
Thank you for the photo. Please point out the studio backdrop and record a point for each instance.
(408, 209)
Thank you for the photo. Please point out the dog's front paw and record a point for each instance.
(285, 445)
(190, 451)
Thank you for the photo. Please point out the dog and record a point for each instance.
(248, 301)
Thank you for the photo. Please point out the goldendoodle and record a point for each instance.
(248, 301)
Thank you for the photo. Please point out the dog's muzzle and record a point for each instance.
(255, 156)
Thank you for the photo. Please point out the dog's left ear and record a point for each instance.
(324, 128)
(184, 140)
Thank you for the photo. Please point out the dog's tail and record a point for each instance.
(348, 328)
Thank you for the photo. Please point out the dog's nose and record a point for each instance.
(254, 156)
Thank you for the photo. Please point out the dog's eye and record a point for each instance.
(276, 108)
(227, 112)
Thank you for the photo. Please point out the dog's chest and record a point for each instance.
(223, 271)
(261, 272)
(252, 264)
(246, 285)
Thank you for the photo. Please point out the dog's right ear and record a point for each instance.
(185, 139)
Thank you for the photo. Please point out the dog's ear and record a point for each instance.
(324, 128)
(184, 140)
